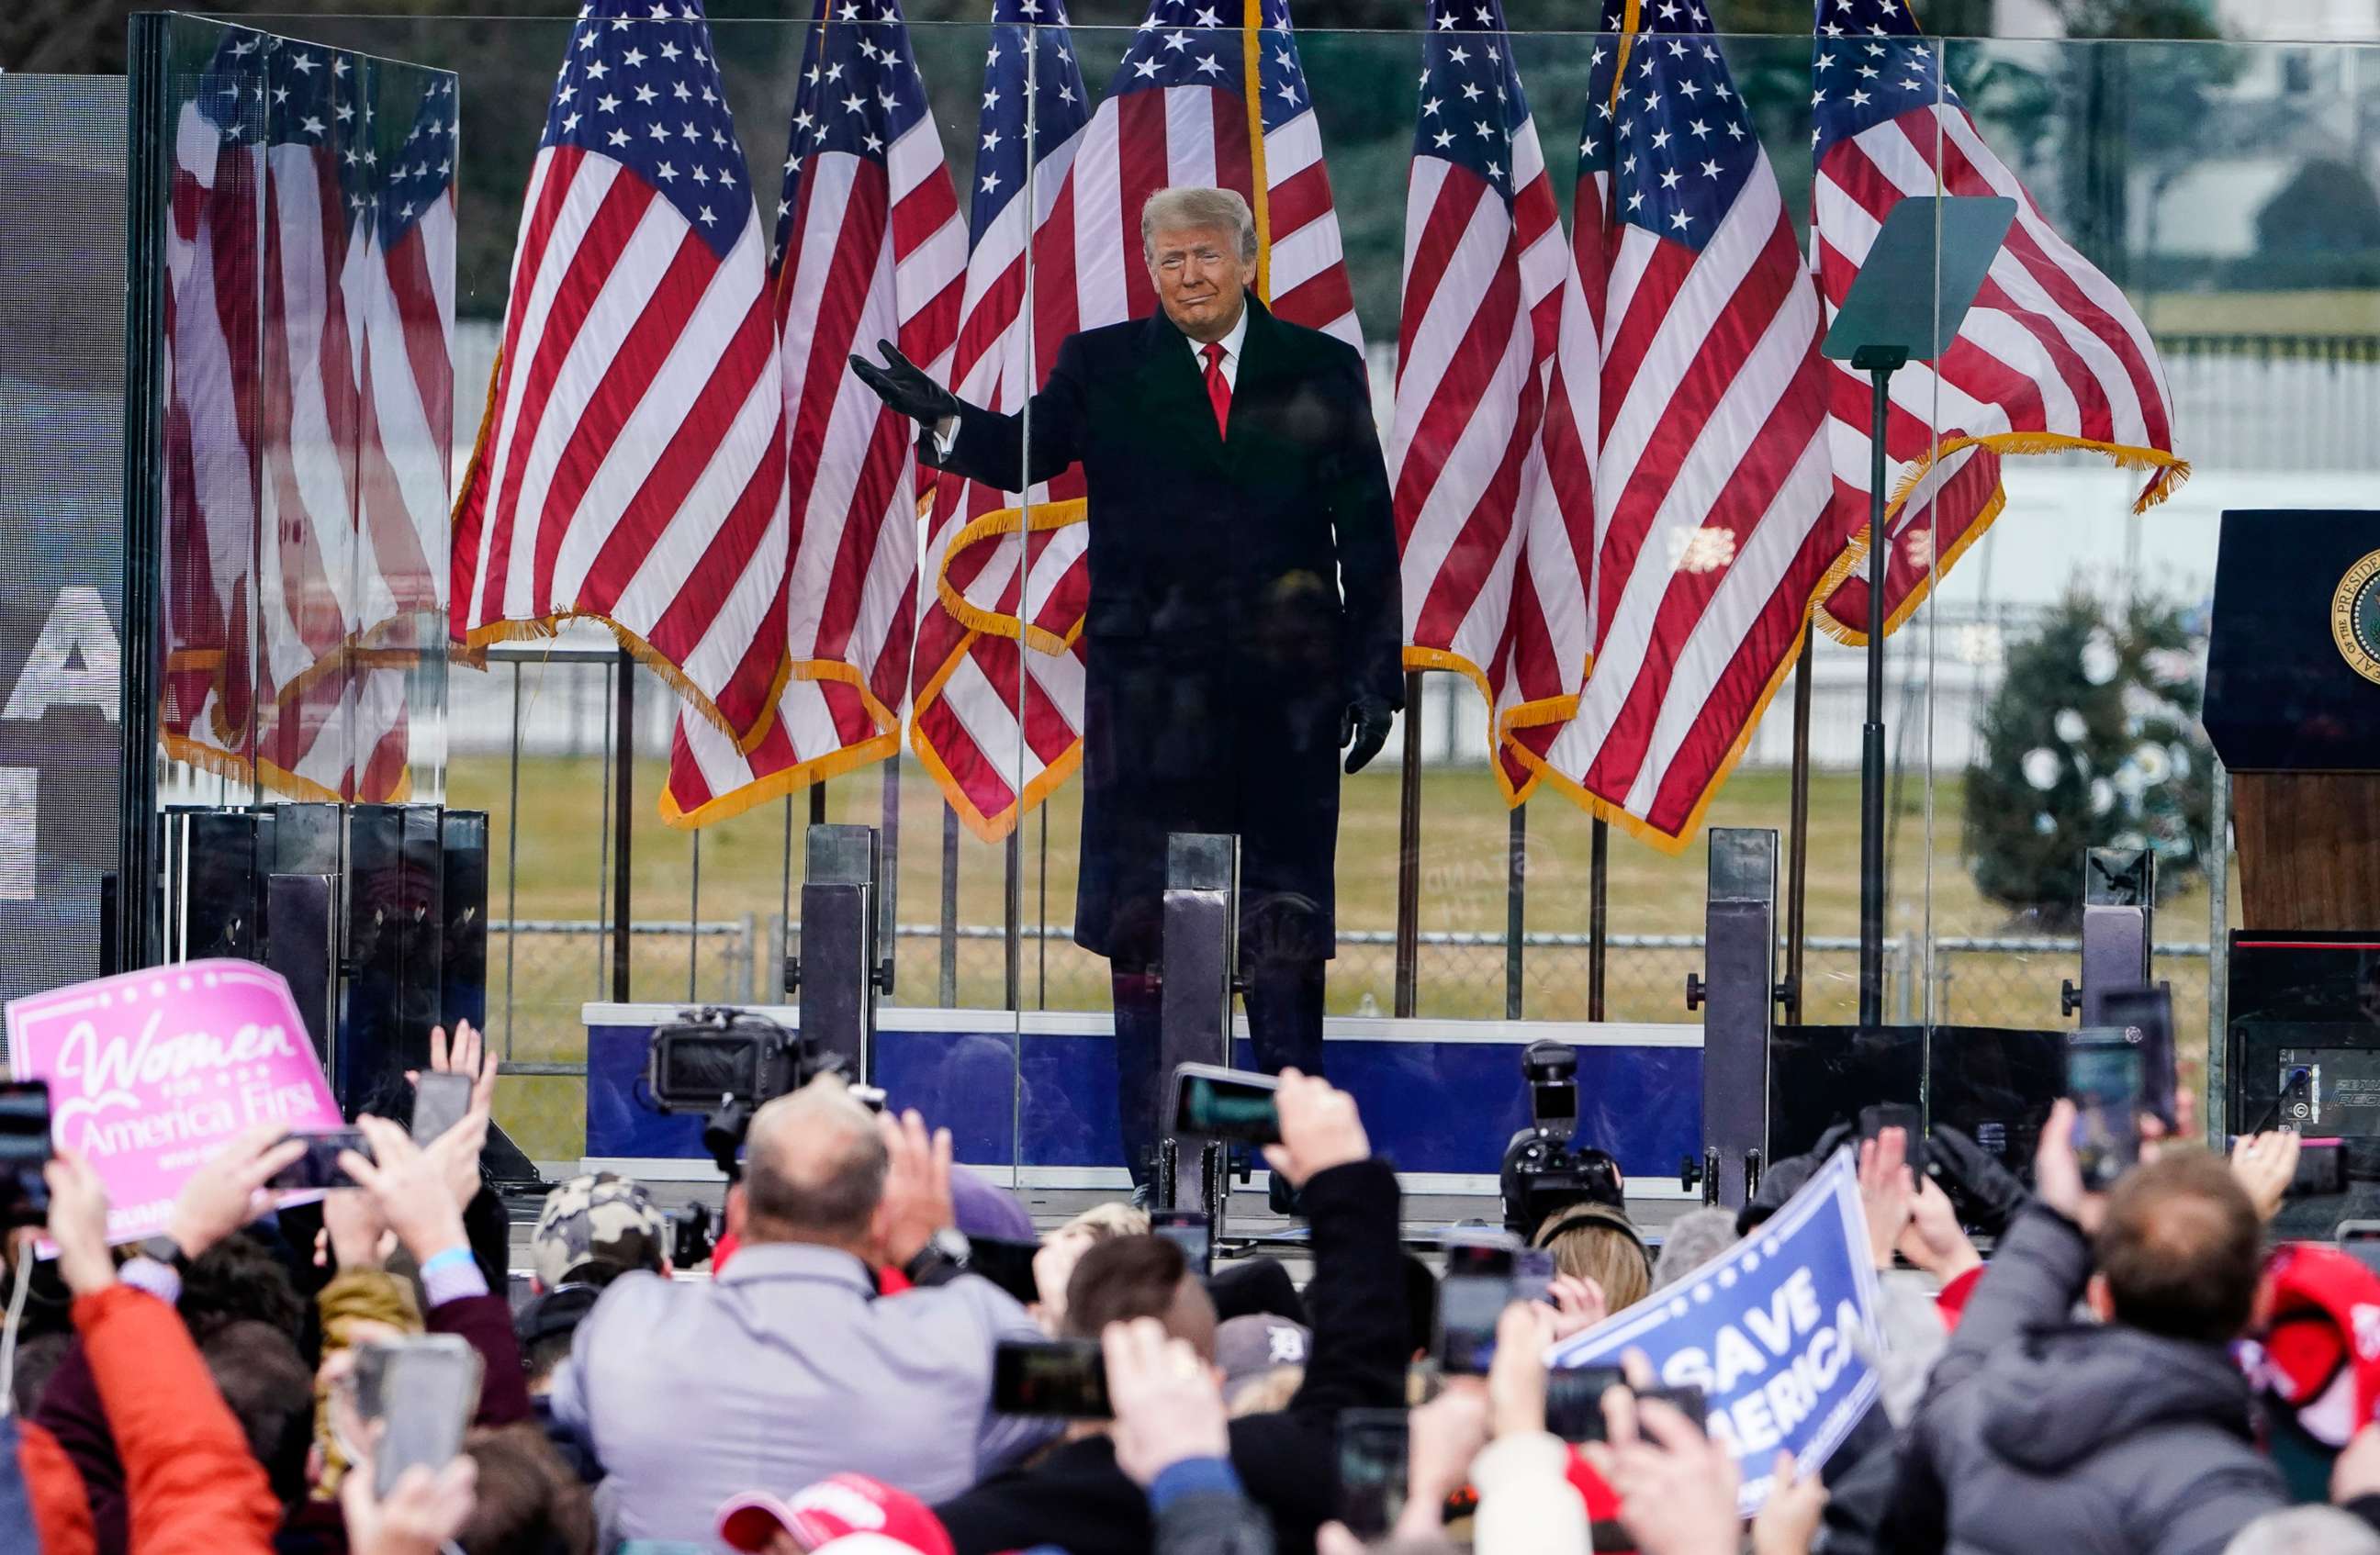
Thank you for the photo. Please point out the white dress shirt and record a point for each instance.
(1231, 344)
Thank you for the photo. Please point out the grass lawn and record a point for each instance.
(560, 874)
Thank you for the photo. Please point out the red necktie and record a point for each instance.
(1218, 387)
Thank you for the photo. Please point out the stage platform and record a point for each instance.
(1250, 1222)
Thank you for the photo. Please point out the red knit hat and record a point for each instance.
(2320, 1353)
(847, 1512)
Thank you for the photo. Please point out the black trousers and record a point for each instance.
(1284, 1004)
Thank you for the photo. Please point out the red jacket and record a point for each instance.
(193, 1487)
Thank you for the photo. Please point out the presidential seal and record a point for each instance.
(2355, 617)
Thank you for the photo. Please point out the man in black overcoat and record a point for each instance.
(1243, 623)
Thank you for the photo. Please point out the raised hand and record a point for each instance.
(917, 1201)
(1319, 1128)
(410, 1184)
(1168, 1406)
(227, 1192)
(905, 386)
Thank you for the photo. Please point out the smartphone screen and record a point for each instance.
(24, 1149)
(1574, 1400)
(2103, 1075)
(1533, 1273)
(1874, 1120)
(318, 1168)
(1372, 1448)
(1007, 1264)
(2149, 1012)
(2322, 1169)
(1190, 1231)
(1066, 1378)
(1218, 1104)
(415, 1397)
(440, 1099)
(1471, 1298)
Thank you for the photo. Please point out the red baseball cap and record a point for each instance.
(848, 1514)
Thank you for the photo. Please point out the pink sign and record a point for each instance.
(152, 1072)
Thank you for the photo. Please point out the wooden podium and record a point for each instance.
(2293, 708)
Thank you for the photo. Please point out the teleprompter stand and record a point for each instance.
(1738, 992)
(1200, 951)
(846, 960)
(1905, 306)
(2119, 909)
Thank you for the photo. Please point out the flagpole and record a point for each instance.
(1878, 362)
(1798, 877)
(1252, 88)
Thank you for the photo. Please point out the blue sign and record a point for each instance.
(1780, 1333)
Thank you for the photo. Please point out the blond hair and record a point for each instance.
(1102, 1221)
(1197, 210)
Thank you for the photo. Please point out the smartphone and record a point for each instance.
(1005, 1263)
(1533, 1273)
(319, 1167)
(1874, 1120)
(2361, 1238)
(1066, 1378)
(2322, 1169)
(2149, 1011)
(24, 1150)
(2105, 1071)
(1374, 1447)
(440, 1099)
(1192, 1232)
(1218, 1104)
(415, 1397)
(1574, 1401)
(1472, 1296)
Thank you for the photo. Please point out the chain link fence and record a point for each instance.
(541, 973)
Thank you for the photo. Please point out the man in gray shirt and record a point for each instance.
(787, 1368)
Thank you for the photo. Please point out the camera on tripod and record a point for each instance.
(725, 1064)
(1545, 1171)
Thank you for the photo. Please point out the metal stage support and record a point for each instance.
(1738, 992)
(843, 964)
(1200, 951)
(2119, 912)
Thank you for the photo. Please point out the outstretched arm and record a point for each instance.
(989, 446)
(983, 445)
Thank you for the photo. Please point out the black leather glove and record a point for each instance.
(1986, 1194)
(1364, 726)
(903, 385)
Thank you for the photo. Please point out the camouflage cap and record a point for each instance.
(601, 1217)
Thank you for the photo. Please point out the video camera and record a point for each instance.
(1544, 1170)
(725, 1064)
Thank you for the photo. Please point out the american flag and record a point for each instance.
(1210, 93)
(996, 706)
(1202, 100)
(2050, 357)
(207, 712)
(1495, 378)
(401, 282)
(869, 247)
(287, 661)
(1712, 510)
(631, 466)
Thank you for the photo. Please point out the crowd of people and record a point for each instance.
(2132, 1370)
